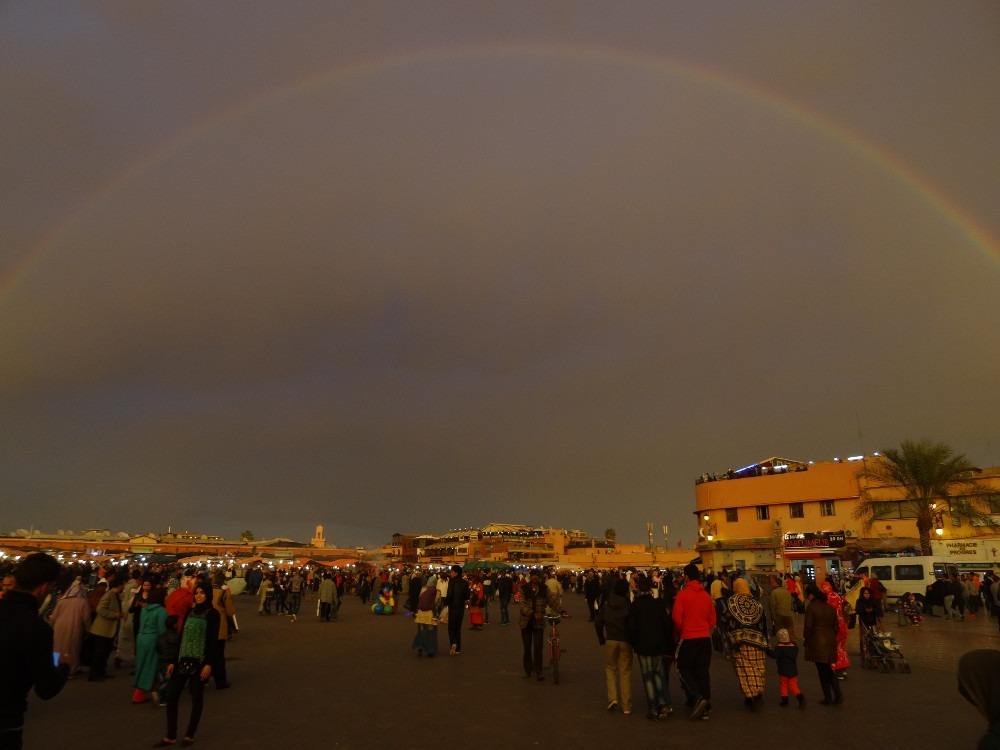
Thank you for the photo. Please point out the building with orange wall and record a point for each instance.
(786, 515)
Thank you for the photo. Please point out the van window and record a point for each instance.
(883, 572)
(943, 570)
(909, 572)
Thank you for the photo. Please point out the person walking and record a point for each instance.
(694, 618)
(222, 601)
(152, 619)
(535, 597)
(104, 628)
(70, 622)
(868, 614)
(878, 594)
(786, 655)
(454, 602)
(416, 585)
(180, 600)
(781, 608)
(477, 597)
(834, 600)
(265, 595)
(489, 590)
(296, 587)
(612, 633)
(505, 590)
(592, 593)
(327, 599)
(820, 631)
(425, 641)
(26, 659)
(651, 634)
(745, 629)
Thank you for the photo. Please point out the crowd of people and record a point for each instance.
(172, 624)
(681, 620)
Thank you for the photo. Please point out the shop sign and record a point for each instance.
(966, 549)
(820, 540)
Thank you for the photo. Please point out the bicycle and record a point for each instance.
(555, 649)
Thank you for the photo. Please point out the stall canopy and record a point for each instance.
(485, 565)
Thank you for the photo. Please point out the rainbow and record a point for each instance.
(890, 164)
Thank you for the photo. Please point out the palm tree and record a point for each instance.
(933, 480)
(610, 535)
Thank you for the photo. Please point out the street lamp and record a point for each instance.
(709, 530)
(937, 518)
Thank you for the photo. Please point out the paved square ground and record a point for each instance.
(355, 683)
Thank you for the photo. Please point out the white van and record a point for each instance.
(902, 574)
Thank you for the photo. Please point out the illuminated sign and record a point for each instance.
(819, 540)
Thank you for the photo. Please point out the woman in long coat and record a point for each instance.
(152, 622)
(821, 643)
(745, 628)
(70, 621)
(833, 599)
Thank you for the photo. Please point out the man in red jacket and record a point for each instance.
(694, 619)
(181, 599)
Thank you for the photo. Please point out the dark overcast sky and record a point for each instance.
(413, 266)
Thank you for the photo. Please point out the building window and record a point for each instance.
(826, 508)
(732, 515)
(795, 510)
(763, 512)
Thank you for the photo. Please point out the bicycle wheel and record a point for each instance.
(554, 660)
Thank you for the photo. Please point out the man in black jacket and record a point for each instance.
(592, 591)
(535, 598)
(505, 590)
(26, 656)
(454, 600)
(651, 633)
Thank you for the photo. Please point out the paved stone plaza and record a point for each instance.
(355, 683)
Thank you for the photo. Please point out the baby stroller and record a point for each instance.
(882, 652)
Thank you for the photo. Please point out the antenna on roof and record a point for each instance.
(861, 441)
